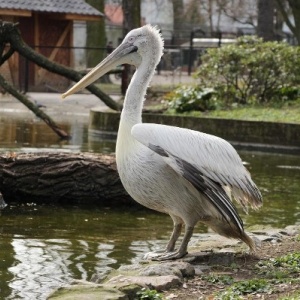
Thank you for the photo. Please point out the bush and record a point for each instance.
(252, 71)
(188, 98)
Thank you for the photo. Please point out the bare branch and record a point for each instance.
(38, 112)
(7, 55)
(280, 6)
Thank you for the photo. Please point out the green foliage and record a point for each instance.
(284, 265)
(146, 294)
(291, 261)
(218, 279)
(244, 287)
(190, 98)
(252, 71)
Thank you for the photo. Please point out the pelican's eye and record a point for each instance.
(131, 39)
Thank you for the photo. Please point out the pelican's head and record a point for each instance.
(141, 43)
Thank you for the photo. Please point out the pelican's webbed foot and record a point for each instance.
(169, 253)
(164, 255)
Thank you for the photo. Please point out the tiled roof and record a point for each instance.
(79, 7)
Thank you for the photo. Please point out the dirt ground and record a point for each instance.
(262, 276)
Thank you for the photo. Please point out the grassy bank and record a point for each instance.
(286, 114)
(277, 113)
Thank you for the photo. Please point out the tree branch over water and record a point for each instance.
(34, 108)
(10, 35)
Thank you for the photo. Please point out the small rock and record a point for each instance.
(177, 268)
(186, 269)
(292, 230)
(87, 292)
(160, 270)
(158, 283)
(200, 269)
(224, 259)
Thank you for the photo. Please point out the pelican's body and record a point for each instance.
(186, 174)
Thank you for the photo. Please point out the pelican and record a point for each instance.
(187, 174)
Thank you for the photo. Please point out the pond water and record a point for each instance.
(43, 246)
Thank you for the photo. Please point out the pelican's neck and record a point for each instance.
(134, 99)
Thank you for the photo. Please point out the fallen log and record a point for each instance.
(66, 178)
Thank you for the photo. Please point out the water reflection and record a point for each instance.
(45, 246)
(40, 266)
(30, 134)
(280, 188)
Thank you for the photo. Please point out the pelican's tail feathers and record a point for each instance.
(253, 243)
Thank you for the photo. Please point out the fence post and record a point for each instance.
(191, 52)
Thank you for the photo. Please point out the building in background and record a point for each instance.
(46, 26)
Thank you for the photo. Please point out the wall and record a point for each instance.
(265, 135)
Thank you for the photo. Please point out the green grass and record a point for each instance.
(286, 114)
(268, 114)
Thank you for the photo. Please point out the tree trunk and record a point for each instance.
(132, 14)
(61, 178)
(132, 19)
(95, 37)
(265, 19)
(179, 24)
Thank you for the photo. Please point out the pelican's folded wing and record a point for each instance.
(213, 191)
(211, 156)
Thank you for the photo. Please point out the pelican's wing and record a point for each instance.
(191, 152)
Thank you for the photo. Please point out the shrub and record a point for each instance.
(188, 98)
(251, 71)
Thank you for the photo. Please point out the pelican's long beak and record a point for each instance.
(125, 53)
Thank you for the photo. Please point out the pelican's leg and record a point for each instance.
(174, 237)
(171, 244)
(182, 251)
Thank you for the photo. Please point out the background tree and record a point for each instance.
(132, 19)
(187, 16)
(255, 11)
(241, 11)
(95, 37)
(132, 14)
(265, 19)
(288, 9)
(178, 14)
